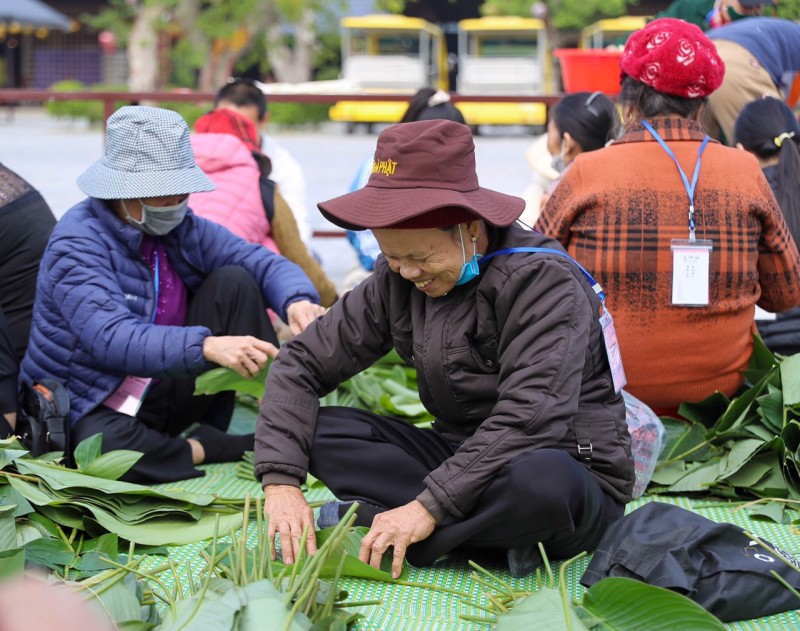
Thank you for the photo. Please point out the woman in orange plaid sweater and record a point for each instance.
(683, 233)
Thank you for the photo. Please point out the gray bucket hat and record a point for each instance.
(147, 154)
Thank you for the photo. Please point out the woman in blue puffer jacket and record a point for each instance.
(136, 296)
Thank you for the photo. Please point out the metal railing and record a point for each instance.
(109, 99)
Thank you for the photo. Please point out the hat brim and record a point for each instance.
(378, 207)
(102, 182)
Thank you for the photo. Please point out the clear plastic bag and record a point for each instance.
(647, 440)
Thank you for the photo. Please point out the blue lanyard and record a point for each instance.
(595, 285)
(689, 187)
(156, 283)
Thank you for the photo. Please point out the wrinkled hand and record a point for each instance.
(301, 314)
(288, 513)
(245, 354)
(399, 528)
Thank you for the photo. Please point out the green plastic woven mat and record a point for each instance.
(406, 608)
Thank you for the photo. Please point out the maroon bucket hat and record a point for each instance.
(420, 167)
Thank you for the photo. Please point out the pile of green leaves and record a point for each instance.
(613, 603)
(389, 387)
(741, 448)
(242, 588)
(92, 500)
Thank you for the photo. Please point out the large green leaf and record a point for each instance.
(12, 563)
(50, 553)
(706, 411)
(790, 379)
(88, 450)
(742, 409)
(9, 495)
(544, 610)
(741, 452)
(215, 608)
(264, 602)
(761, 361)
(699, 478)
(8, 455)
(624, 604)
(112, 465)
(770, 409)
(223, 379)
(686, 443)
(117, 599)
(62, 478)
(8, 528)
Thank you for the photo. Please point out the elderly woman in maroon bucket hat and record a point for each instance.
(529, 443)
(683, 232)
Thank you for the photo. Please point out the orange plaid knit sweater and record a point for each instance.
(616, 211)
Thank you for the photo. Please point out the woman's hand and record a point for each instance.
(398, 528)
(245, 354)
(288, 514)
(301, 314)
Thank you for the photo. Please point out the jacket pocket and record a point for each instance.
(484, 354)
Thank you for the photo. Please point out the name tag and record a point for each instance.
(128, 398)
(690, 272)
(612, 351)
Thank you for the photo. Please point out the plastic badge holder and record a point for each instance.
(647, 439)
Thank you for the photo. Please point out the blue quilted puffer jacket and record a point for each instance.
(95, 298)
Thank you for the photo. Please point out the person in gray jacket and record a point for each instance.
(529, 443)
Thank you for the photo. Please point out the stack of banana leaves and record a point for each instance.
(744, 448)
(92, 500)
(389, 387)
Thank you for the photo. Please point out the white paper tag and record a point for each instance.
(690, 272)
(128, 398)
(612, 351)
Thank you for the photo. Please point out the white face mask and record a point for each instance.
(158, 220)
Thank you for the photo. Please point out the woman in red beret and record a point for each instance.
(683, 233)
(507, 334)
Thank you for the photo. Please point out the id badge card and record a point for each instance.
(691, 272)
(612, 351)
(128, 398)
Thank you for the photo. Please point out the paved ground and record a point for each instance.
(52, 153)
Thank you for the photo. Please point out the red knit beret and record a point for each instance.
(673, 57)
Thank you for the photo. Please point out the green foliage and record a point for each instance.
(745, 447)
(91, 111)
(789, 9)
(566, 14)
(298, 114)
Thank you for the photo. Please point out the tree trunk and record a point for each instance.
(292, 64)
(143, 66)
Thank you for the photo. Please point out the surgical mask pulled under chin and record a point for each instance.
(469, 270)
(158, 220)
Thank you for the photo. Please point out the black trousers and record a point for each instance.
(543, 495)
(9, 372)
(228, 303)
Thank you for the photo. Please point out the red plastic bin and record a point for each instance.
(589, 70)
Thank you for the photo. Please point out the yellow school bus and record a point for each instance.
(395, 54)
(612, 31)
(503, 55)
(388, 54)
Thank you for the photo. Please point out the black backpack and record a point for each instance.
(714, 564)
